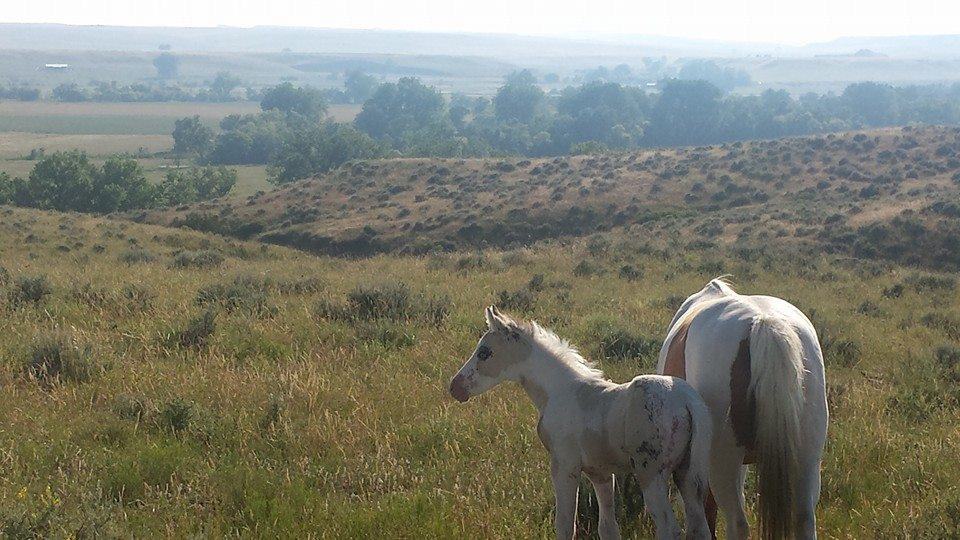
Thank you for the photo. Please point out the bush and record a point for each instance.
(393, 302)
(613, 342)
(29, 289)
(197, 332)
(176, 415)
(204, 258)
(137, 255)
(245, 292)
(630, 272)
(58, 357)
(198, 184)
(519, 300)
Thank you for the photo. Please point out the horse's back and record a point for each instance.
(704, 345)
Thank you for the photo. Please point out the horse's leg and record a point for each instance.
(727, 474)
(566, 483)
(656, 498)
(603, 486)
(693, 493)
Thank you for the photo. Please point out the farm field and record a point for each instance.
(88, 118)
(292, 409)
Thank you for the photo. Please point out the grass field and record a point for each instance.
(124, 118)
(296, 413)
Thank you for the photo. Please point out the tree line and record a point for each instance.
(410, 118)
(70, 181)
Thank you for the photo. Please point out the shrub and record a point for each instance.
(197, 332)
(29, 289)
(630, 272)
(245, 292)
(136, 297)
(176, 415)
(58, 357)
(137, 255)
(613, 342)
(393, 301)
(146, 465)
(519, 300)
(204, 258)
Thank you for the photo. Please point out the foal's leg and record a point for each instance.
(656, 497)
(693, 491)
(603, 485)
(566, 483)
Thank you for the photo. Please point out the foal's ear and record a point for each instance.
(496, 320)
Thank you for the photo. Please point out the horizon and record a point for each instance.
(742, 22)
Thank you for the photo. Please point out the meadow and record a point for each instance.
(164, 382)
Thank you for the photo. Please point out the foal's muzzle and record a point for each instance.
(458, 390)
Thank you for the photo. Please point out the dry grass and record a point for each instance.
(282, 423)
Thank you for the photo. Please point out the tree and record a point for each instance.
(519, 99)
(200, 184)
(190, 136)
(605, 113)
(167, 65)
(305, 101)
(62, 181)
(396, 111)
(69, 92)
(68, 181)
(223, 85)
(686, 113)
(875, 104)
(249, 139)
(724, 78)
(359, 86)
(121, 185)
(319, 148)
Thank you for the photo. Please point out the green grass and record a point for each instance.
(285, 423)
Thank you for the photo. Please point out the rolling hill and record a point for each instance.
(822, 193)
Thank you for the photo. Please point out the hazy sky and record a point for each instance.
(786, 21)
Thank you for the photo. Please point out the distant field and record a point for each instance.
(17, 144)
(125, 118)
(110, 118)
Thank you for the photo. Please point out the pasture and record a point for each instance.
(162, 382)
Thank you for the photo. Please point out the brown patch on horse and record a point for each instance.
(743, 404)
(676, 363)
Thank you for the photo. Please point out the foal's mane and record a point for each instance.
(559, 348)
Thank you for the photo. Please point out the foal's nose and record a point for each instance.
(458, 390)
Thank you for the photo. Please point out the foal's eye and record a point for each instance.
(483, 353)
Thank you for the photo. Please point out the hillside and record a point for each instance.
(170, 383)
(817, 192)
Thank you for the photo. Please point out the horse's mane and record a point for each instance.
(723, 284)
(559, 348)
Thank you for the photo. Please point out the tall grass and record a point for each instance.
(336, 423)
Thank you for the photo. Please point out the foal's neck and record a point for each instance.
(549, 374)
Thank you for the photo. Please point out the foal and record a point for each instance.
(653, 426)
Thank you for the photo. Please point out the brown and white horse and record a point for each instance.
(653, 426)
(757, 363)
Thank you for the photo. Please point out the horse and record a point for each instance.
(653, 426)
(757, 363)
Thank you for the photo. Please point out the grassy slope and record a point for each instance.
(803, 189)
(297, 424)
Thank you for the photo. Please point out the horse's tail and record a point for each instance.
(776, 383)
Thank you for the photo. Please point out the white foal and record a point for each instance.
(653, 426)
(757, 363)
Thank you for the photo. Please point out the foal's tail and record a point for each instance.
(776, 382)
